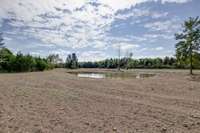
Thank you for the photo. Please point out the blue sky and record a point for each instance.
(94, 29)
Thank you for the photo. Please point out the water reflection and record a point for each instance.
(120, 75)
(91, 75)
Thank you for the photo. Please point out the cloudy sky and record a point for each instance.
(94, 29)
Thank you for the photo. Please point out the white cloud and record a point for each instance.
(165, 26)
(92, 56)
(7, 38)
(125, 47)
(45, 23)
(159, 15)
(100, 45)
(133, 13)
(48, 23)
(159, 48)
(175, 1)
(157, 36)
(76, 23)
(125, 4)
(137, 12)
(120, 4)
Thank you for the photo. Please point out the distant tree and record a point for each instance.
(166, 61)
(127, 60)
(71, 61)
(158, 63)
(129, 63)
(54, 59)
(172, 62)
(68, 61)
(189, 42)
(74, 61)
(1, 40)
(119, 58)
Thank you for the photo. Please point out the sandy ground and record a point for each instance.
(57, 102)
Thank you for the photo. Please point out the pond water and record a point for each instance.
(120, 75)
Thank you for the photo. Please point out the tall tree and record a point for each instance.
(68, 61)
(74, 61)
(71, 61)
(1, 40)
(189, 41)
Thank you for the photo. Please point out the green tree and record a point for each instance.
(6, 59)
(189, 42)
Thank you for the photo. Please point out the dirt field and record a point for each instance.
(57, 102)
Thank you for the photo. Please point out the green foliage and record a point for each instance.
(23, 63)
(189, 43)
(41, 64)
(196, 60)
(6, 59)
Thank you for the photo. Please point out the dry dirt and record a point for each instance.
(57, 102)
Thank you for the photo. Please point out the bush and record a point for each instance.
(41, 64)
(23, 63)
(6, 59)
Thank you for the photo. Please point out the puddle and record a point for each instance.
(91, 75)
(120, 75)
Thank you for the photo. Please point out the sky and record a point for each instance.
(94, 29)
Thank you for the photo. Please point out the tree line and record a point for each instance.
(146, 63)
(21, 63)
(129, 63)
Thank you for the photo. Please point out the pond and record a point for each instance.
(116, 75)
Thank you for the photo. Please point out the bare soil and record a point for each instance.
(57, 102)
